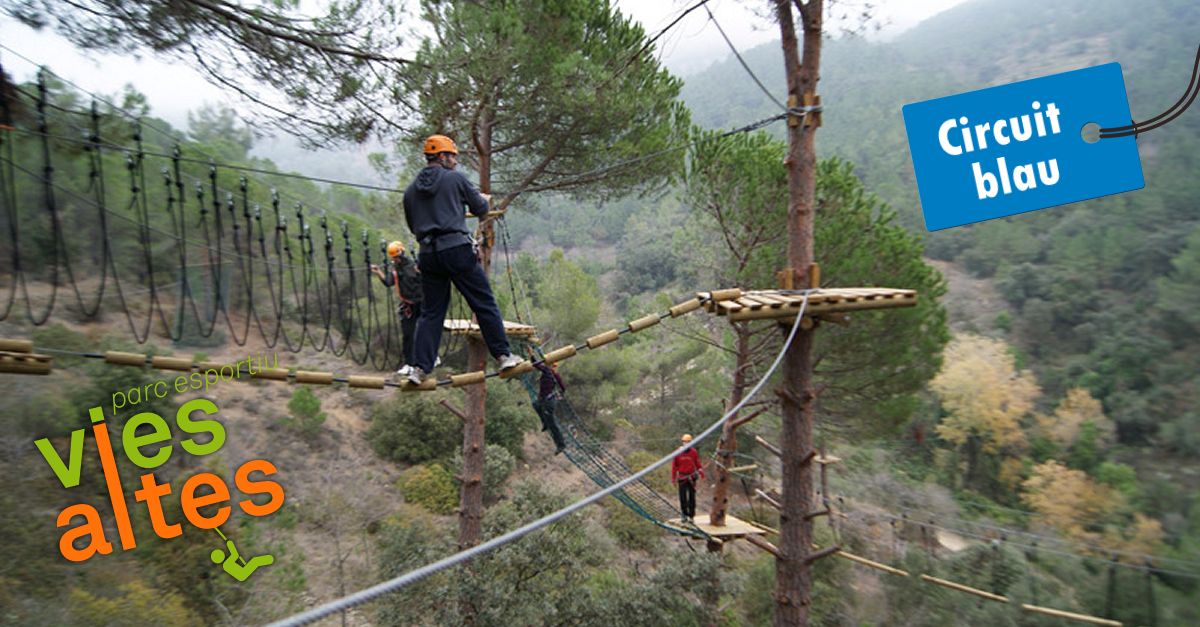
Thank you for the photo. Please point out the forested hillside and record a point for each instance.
(1099, 293)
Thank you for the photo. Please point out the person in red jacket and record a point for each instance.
(686, 471)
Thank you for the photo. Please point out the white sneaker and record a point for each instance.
(404, 370)
(416, 375)
(509, 362)
(437, 361)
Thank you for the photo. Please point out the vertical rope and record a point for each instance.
(1110, 595)
(51, 207)
(1151, 607)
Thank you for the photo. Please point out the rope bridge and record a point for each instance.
(212, 248)
(606, 469)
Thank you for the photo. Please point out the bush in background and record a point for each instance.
(431, 487)
(305, 416)
(413, 429)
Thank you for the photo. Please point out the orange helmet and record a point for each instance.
(395, 248)
(440, 143)
(685, 438)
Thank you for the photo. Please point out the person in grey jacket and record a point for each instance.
(433, 208)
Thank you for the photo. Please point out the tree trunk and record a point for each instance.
(470, 517)
(727, 445)
(793, 574)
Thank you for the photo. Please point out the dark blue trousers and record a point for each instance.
(408, 331)
(459, 266)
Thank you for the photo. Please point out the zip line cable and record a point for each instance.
(413, 576)
(742, 61)
(573, 179)
(227, 166)
(590, 175)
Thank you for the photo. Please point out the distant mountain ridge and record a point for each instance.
(971, 46)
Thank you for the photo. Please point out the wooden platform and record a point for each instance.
(769, 304)
(734, 526)
(469, 327)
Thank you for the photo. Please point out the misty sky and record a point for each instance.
(173, 89)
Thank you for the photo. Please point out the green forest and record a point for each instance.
(1030, 429)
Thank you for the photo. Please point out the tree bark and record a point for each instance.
(470, 517)
(727, 445)
(793, 589)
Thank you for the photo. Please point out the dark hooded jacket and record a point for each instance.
(433, 208)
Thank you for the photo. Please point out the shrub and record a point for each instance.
(44, 416)
(630, 530)
(431, 487)
(306, 415)
(138, 604)
(62, 338)
(413, 429)
(509, 416)
(660, 479)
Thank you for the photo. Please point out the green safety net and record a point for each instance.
(605, 468)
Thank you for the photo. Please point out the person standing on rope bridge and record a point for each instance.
(686, 471)
(433, 208)
(546, 404)
(402, 273)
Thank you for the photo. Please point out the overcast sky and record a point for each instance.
(173, 90)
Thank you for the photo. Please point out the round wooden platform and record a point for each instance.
(734, 527)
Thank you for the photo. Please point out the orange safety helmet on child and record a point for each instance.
(436, 144)
(395, 248)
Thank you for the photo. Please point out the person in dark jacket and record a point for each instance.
(546, 405)
(403, 275)
(686, 471)
(433, 208)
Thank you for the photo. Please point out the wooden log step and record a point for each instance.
(313, 377)
(726, 294)
(124, 359)
(274, 374)
(517, 370)
(16, 346)
(24, 363)
(363, 381)
(171, 363)
(1095, 620)
(469, 378)
(961, 588)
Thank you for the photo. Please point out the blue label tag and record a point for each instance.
(1015, 148)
